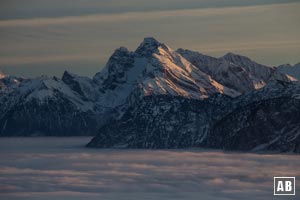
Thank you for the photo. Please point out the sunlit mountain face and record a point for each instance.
(164, 100)
(157, 97)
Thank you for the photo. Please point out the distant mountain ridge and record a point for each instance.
(234, 71)
(292, 70)
(152, 79)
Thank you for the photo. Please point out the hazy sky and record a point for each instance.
(48, 36)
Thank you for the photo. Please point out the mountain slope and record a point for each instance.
(9, 82)
(45, 106)
(270, 124)
(290, 70)
(234, 71)
(162, 121)
(266, 119)
(76, 105)
(154, 69)
(170, 73)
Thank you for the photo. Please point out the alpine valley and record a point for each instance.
(156, 97)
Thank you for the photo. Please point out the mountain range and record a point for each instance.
(156, 97)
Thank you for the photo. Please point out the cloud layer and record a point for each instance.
(140, 16)
(268, 33)
(61, 168)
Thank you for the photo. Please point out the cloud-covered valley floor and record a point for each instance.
(62, 168)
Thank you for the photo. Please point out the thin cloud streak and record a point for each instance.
(140, 16)
(83, 43)
(223, 47)
(15, 60)
(242, 46)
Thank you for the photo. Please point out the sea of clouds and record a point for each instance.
(62, 168)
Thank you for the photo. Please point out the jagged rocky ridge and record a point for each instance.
(149, 86)
(175, 121)
(266, 119)
(234, 71)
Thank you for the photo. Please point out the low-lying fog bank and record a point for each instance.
(62, 168)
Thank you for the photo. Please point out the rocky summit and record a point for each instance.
(157, 97)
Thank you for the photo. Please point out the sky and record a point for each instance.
(47, 37)
(63, 169)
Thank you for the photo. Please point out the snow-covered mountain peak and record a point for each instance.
(170, 73)
(190, 52)
(122, 49)
(68, 74)
(153, 69)
(149, 42)
(120, 52)
(231, 55)
(43, 89)
(113, 72)
(154, 72)
(245, 62)
(149, 46)
(84, 86)
(234, 71)
(261, 73)
(197, 59)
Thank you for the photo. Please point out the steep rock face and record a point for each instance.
(119, 78)
(154, 69)
(114, 72)
(83, 86)
(169, 73)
